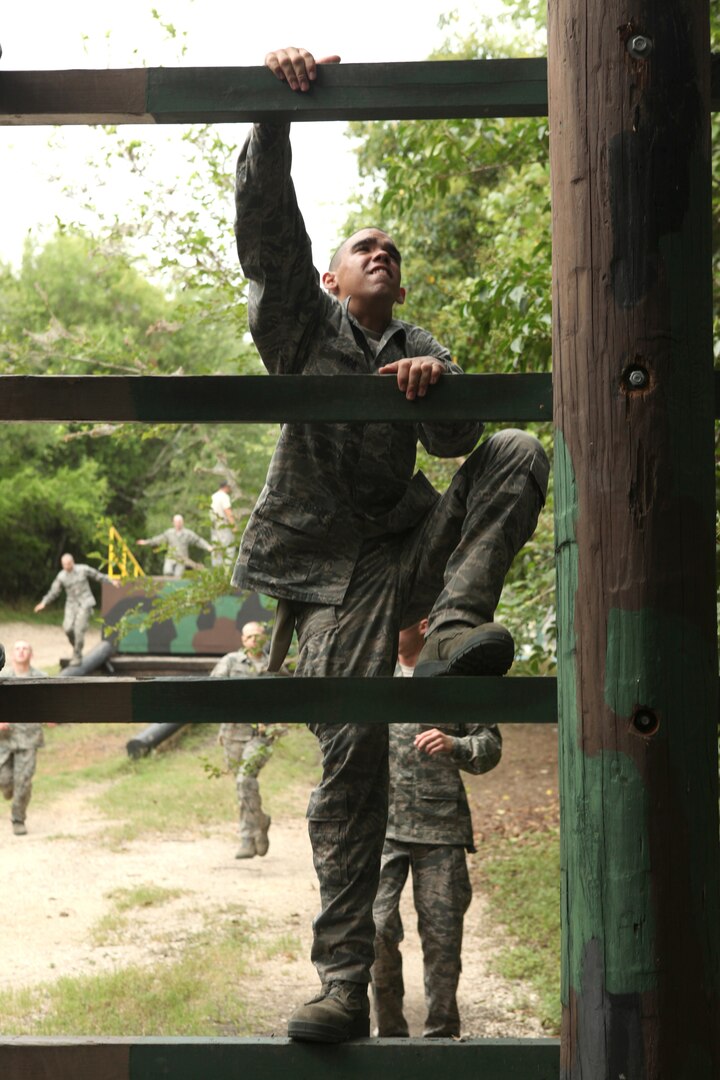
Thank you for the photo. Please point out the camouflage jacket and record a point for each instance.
(179, 542)
(75, 584)
(22, 736)
(237, 665)
(427, 803)
(329, 486)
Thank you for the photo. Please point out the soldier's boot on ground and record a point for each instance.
(19, 828)
(391, 1022)
(487, 649)
(246, 849)
(340, 1012)
(76, 660)
(262, 840)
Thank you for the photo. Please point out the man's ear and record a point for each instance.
(329, 280)
(401, 296)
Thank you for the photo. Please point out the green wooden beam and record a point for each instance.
(270, 398)
(430, 89)
(331, 701)
(273, 398)
(277, 1059)
(403, 91)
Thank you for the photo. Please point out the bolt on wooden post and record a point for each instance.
(629, 92)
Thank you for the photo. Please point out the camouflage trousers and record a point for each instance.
(76, 620)
(442, 894)
(172, 567)
(17, 768)
(246, 755)
(453, 565)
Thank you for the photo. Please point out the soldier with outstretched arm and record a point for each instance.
(352, 541)
(79, 601)
(178, 541)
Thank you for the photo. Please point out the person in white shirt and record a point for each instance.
(222, 527)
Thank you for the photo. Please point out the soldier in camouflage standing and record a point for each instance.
(79, 600)
(178, 541)
(19, 743)
(355, 546)
(248, 746)
(429, 829)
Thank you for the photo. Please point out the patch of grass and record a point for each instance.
(182, 786)
(22, 611)
(108, 929)
(199, 994)
(523, 879)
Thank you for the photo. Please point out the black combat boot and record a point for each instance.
(487, 649)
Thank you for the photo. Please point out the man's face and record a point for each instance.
(368, 267)
(22, 652)
(178, 522)
(67, 562)
(253, 638)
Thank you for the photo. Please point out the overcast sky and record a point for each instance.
(39, 34)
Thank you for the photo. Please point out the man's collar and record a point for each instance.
(390, 330)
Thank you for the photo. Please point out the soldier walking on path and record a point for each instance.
(19, 743)
(248, 746)
(79, 601)
(428, 831)
(352, 541)
(178, 541)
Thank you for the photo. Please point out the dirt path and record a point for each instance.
(68, 872)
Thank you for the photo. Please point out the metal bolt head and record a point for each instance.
(637, 378)
(640, 46)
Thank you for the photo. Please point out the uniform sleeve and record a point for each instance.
(443, 439)
(160, 538)
(275, 252)
(53, 592)
(199, 541)
(220, 671)
(96, 575)
(478, 750)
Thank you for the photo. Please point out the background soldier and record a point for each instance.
(19, 743)
(179, 540)
(79, 600)
(429, 827)
(222, 527)
(248, 746)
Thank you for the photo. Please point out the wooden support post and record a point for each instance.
(633, 382)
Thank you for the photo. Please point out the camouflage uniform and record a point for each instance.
(19, 745)
(247, 750)
(358, 544)
(179, 542)
(429, 828)
(79, 602)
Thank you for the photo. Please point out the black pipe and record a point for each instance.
(94, 659)
(151, 737)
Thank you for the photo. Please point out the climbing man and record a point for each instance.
(177, 540)
(74, 578)
(354, 546)
(248, 746)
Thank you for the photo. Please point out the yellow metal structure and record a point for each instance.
(121, 561)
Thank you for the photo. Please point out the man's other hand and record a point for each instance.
(414, 374)
(296, 67)
(434, 742)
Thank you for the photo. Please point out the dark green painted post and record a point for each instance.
(633, 391)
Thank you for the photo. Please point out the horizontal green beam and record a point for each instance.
(271, 398)
(432, 89)
(300, 701)
(425, 90)
(278, 1059)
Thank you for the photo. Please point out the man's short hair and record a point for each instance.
(338, 253)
